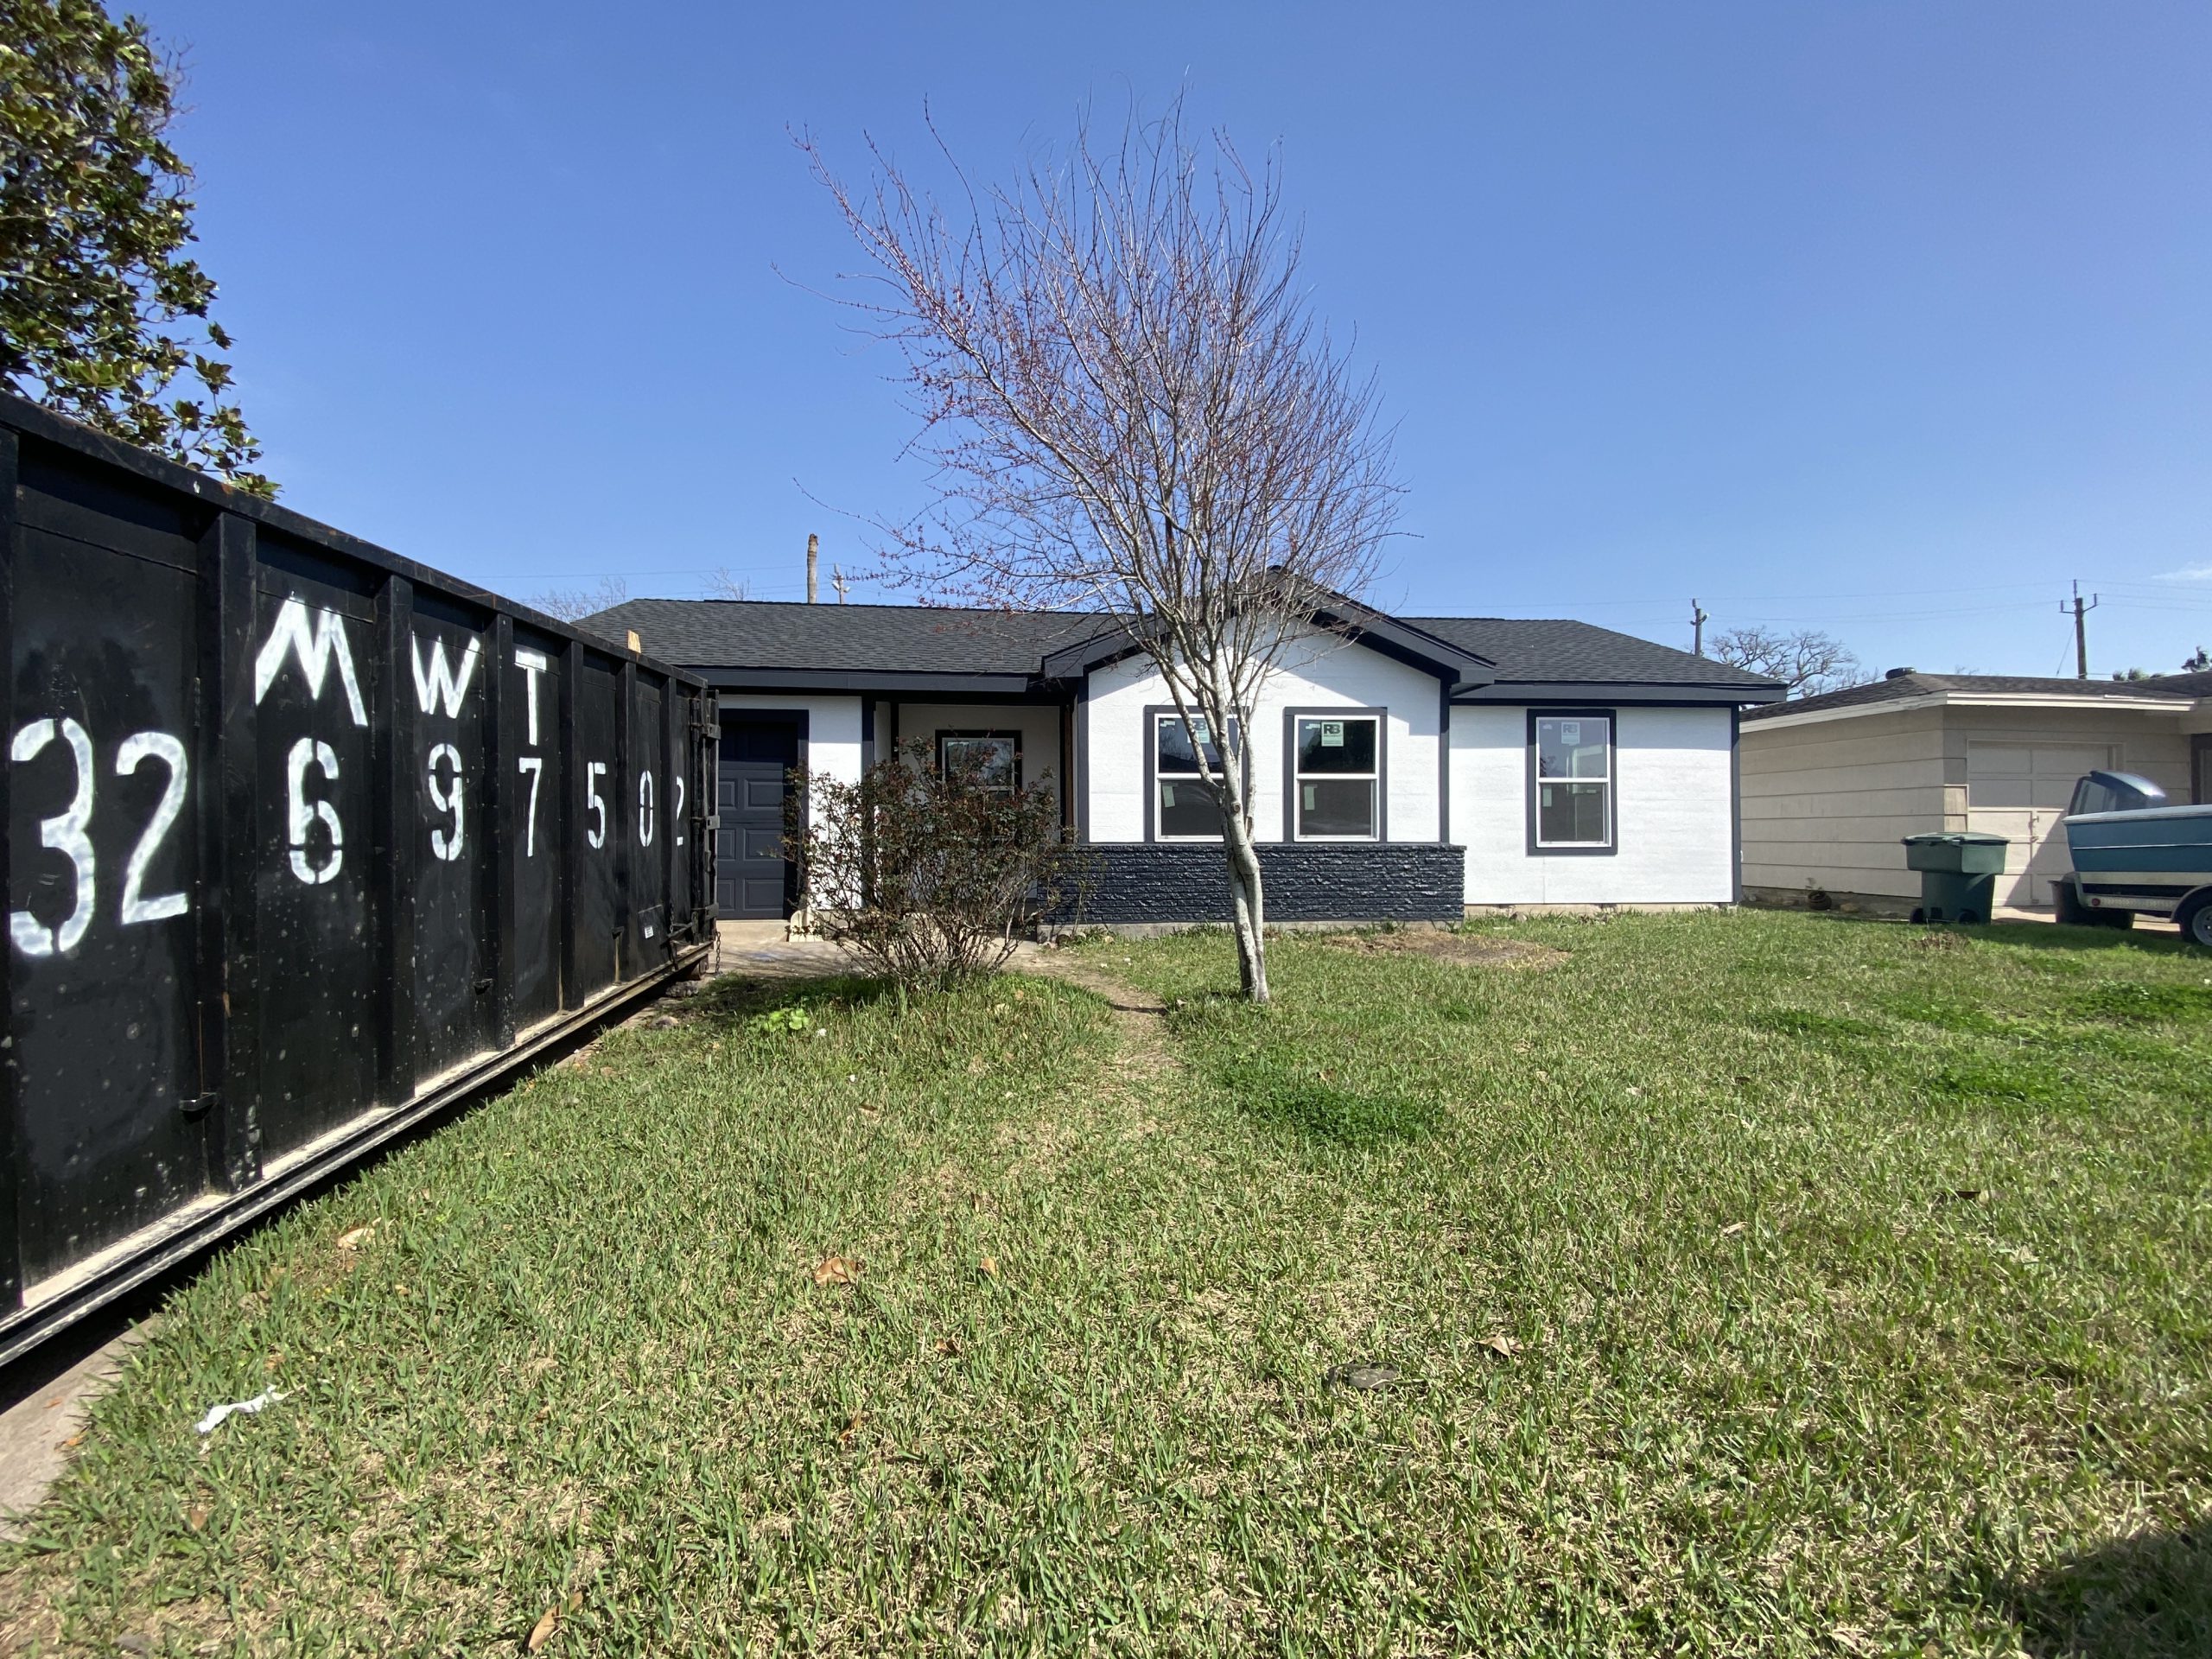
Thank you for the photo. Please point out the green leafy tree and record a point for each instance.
(103, 317)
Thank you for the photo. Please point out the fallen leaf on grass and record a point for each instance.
(74, 1440)
(989, 1264)
(853, 1427)
(1731, 1230)
(196, 1518)
(836, 1270)
(948, 1347)
(550, 1621)
(1502, 1346)
(353, 1238)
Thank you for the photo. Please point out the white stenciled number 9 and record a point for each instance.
(156, 746)
(645, 808)
(593, 773)
(65, 833)
(446, 844)
(309, 753)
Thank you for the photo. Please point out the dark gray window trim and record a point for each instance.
(1611, 717)
(1735, 804)
(1444, 766)
(1382, 719)
(1082, 767)
(1152, 711)
(1015, 734)
(1648, 694)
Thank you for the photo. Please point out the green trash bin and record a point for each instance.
(1958, 874)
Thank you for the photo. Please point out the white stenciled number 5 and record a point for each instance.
(65, 833)
(593, 773)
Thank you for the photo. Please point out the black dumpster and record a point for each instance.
(304, 842)
(1958, 874)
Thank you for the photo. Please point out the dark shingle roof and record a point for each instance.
(739, 634)
(1540, 649)
(863, 639)
(1902, 686)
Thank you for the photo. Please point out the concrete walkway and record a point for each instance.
(40, 1430)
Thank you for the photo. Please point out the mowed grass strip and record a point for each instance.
(1752, 1284)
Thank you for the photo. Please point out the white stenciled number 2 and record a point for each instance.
(152, 746)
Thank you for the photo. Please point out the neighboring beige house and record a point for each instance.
(1832, 785)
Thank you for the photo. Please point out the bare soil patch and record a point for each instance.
(1462, 950)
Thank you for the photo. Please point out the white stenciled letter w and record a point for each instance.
(436, 684)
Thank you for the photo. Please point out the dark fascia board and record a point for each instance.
(951, 688)
(1360, 624)
(44, 426)
(1643, 691)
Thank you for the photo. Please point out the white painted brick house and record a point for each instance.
(1401, 768)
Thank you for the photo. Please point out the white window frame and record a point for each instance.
(1295, 800)
(1538, 719)
(1155, 717)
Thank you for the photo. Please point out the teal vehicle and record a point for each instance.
(2135, 855)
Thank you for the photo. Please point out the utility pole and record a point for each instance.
(837, 581)
(1698, 619)
(2081, 632)
(813, 554)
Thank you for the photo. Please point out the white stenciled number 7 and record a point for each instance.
(593, 773)
(533, 767)
(65, 833)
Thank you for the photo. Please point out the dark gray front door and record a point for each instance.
(752, 878)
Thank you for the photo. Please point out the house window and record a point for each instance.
(1336, 776)
(1571, 758)
(1185, 807)
(996, 757)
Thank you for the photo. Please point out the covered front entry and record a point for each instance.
(754, 879)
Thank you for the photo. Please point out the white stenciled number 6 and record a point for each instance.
(156, 746)
(645, 808)
(66, 835)
(308, 752)
(593, 773)
(446, 845)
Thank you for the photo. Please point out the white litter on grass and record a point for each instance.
(213, 1420)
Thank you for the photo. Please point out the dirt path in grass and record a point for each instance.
(1140, 1018)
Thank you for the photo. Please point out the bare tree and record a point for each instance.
(574, 604)
(720, 583)
(1131, 409)
(1807, 662)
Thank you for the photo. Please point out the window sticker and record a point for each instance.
(1309, 798)
(1570, 732)
(1167, 794)
(1333, 734)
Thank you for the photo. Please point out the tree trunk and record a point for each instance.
(1245, 899)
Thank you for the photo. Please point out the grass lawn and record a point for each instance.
(1754, 1283)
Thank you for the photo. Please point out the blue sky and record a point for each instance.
(1892, 319)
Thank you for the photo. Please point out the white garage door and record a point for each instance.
(2020, 791)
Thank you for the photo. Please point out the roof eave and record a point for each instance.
(1955, 699)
